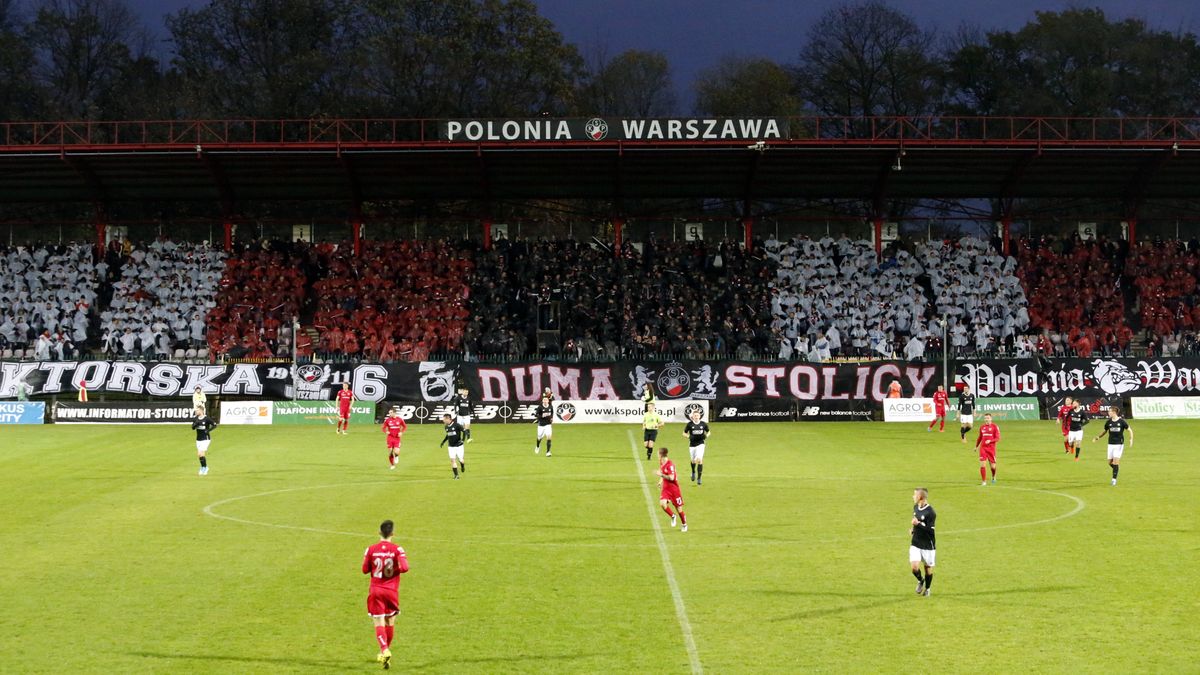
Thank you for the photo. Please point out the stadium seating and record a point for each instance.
(668, 298)
(162, 292)
(263, 288)
(46, 291)
(1164, 275)
(411, 300)
(833, 297)
(1075, 295)
(397, 300)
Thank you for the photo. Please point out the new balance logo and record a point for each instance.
(728, 412)
(811, 410)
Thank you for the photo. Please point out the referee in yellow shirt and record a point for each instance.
(651, 423)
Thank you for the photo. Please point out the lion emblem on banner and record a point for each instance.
(706, 382)
(639, 378)
(1114, 378)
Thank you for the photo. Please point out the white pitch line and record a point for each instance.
(685, 626)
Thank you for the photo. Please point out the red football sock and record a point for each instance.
(668, 510)
(933, 423)
(682, 518)
(982, 473)
(392, 458)
(993, 472)
(381, 637)
(391, 633)
(943, 427)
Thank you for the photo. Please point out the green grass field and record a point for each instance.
(116, 557)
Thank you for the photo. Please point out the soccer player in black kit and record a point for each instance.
(696, 432)
(454, 436)
(966, 412)
(1075, 421)
(462, 405)
(545, 425)
(203, 426)
(1115, 426)
(923, 549)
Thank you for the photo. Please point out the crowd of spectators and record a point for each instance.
(47, 295)
(1164, 275)
(686, 299)
(977, 290)
(161, 294)
(396, 301)
(262, 293)
(834, 298)
(1076, 295)
(413, 300)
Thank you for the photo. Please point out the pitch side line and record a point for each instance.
(685, 626)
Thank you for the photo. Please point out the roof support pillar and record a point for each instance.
(748, 225)
(618, 223)
(101, 233)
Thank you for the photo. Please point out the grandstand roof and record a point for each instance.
(365, 160)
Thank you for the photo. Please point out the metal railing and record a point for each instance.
(915, 131)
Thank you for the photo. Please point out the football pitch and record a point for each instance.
(115, 557)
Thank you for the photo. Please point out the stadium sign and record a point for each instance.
(835, 411)
(1016, 408)
(908, 410)
(435, 381)
(124, 412)
(753, 411)
(1165, 408)
(1090, 377)
(246, 412)
(595, 129)
(625, 412)
(320, 412)
(22, 412)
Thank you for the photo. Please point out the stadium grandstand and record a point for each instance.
(829, 288)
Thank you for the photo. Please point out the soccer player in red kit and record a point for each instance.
(394, 426)
(1064, 420)
(385, 562)
(344, 398)
(669, 482)
(940, 400)
(989, 436)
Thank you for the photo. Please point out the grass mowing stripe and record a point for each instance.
(685, 626)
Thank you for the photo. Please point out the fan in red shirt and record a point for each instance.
(344, 398)
(1064, 421)
(940, 400)
(669, 482)
(394, 426)
(989, 436)
(385, 562)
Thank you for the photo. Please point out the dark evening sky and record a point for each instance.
(695, 34)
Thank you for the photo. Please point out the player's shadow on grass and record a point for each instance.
(830, 611)
(527, 659)
(275, 661)
(901, 597)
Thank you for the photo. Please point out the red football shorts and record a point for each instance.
(382, 602)
(1066, 429)
(344, 412)
(939, 412)
(672, 495)
(393, 442)
(987, 454)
